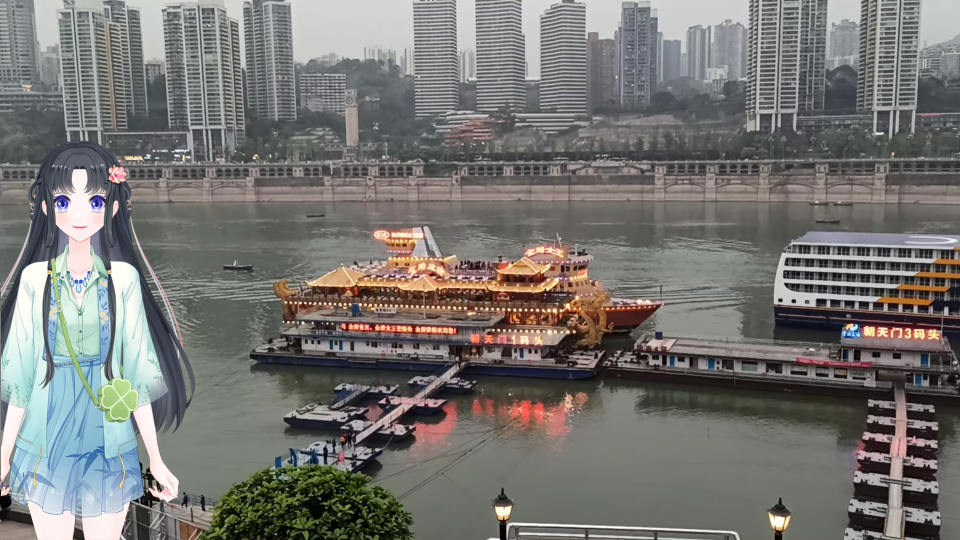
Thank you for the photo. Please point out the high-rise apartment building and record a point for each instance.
(889, 63)
(844, 39)
(468, 65)
(501, 54)
(271, 80)
(18, 42)
(785, 62)
(204, 78)
(90, 107)
(436, 61)
(126, 54)
(601, 70)
(323, 92)
(671, 57)
(154, 69)
(698, 52)
(637, 53)
(730, 49)
(563, 58)
(813, 55)
(50, 66)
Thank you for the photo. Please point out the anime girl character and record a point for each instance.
(87, 358)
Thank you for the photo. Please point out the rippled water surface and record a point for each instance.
(596, 452)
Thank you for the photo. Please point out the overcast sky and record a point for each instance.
(345, 27)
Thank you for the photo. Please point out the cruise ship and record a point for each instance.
(830, 279)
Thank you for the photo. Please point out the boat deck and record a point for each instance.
(355, 458)
(722, 347)
(411, 317)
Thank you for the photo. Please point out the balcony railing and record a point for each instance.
(543, 531)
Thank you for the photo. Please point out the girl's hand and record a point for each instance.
(169, 482)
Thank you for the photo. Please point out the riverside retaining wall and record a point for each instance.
(860, 182)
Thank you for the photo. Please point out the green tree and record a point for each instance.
(311, 502)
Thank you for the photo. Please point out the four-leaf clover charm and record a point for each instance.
(118, 400)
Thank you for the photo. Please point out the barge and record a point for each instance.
(390, 433)
(867, 362)
(872, 515)
(916, 447)
(456, 386)
(923, 493)
(829, 279)
(354, 459)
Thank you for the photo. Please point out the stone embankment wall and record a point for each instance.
(736, 181)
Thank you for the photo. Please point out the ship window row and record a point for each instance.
(863, 291)
(866, 265)
(751, 366)
(847, 251)
(880, 306)
(865, 278)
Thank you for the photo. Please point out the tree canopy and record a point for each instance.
(310, 502)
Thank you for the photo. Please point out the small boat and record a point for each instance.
(237, 266)
(315, 215)
(829, 221)
(818, 203)
(841, 203)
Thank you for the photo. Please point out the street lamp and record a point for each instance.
(779, 519)
(503, 506)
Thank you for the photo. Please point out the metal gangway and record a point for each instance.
(404, 408)
(357, 393)
(894, 525)
(544, 531)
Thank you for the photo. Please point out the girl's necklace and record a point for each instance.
(79, 284)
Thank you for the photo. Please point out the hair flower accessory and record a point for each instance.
(118, 175)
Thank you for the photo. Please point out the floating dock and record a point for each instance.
(915, 411)
(421, 406)
(856, 533)
(915, 428)
(916, 447)
(889, 481)
(315, 416)
(915, 491)
(391, 433)
(355, 459)
(453, 386)
(914, 521)
(346, 394)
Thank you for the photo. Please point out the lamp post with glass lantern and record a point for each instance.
(779, 519)
(503, 506)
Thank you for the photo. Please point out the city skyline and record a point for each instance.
(350, 34)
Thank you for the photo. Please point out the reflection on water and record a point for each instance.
(596, 452)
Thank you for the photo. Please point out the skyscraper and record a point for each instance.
(672, 55)
(204, 79)
(698, 52)
(844, 44)
(50, 66)
(730, 48)
(637, 54)
(889, 63)
(468, 65)
(271, 82)
(126, 53)
(18, 42)
(87, 75)
(501, 54)
(785, 62)
(563, 58)
(436, 62)
(323, 92)
(153, 69)
(601, 70)
(813, 55)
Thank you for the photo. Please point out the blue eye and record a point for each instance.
(61, 203)
(97, 203)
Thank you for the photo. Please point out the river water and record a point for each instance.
(593, 452)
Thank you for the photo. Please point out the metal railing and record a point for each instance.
(543, 531)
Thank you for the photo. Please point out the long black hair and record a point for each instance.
(113, 243)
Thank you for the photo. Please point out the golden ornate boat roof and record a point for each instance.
(342, 277)
(524, 267)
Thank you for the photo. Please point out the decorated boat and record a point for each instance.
(419, 309)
